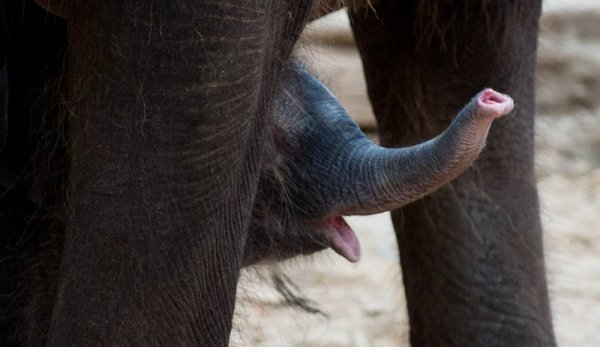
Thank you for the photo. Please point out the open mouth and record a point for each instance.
(343, 239)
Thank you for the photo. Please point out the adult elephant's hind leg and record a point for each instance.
(471, 253)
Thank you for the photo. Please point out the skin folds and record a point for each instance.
(325, 167)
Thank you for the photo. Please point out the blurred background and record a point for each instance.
(364, 302)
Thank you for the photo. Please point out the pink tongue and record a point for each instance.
(343, 240)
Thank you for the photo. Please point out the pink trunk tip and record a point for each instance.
(490, 103)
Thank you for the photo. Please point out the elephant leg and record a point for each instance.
(471, 253)
(169, 103)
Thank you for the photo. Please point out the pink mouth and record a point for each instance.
(343, 239)
(494, 104)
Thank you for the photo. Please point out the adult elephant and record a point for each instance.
(169, 156)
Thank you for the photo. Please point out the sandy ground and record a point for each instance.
(365, 302)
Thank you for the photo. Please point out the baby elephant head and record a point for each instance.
(321, 166)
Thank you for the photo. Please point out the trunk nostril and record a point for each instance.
(490, 96)
(494, 104)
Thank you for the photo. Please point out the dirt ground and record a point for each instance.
(365, 302)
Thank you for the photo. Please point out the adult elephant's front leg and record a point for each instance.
(166, 102)
(471, 253)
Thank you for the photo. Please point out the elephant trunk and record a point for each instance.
(338, 170)
(388, 178)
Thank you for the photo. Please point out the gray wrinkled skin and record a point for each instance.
(195, 146)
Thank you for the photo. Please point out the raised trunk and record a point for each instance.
(389, 178)
(341, 171)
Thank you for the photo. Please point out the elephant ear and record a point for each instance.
(334, 169)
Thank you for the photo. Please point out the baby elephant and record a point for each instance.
(321, 166)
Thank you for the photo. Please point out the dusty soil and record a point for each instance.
(365, 302)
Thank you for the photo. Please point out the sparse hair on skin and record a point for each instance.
(48, 173)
